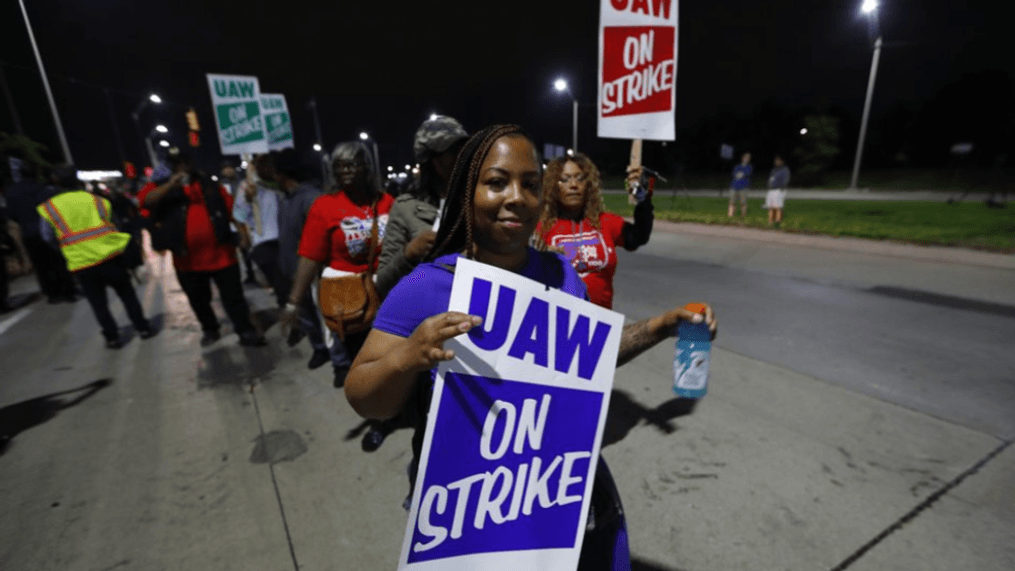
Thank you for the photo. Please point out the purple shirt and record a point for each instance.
(427, 290)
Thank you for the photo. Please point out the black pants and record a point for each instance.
(55, 279)
(111, 273)
(245, 253)
(265, 255)
(197, 286)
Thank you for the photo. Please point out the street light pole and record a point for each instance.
(866, 113)
(136, 115)
(320, 141)
(116, 130)
(561, 85)
(45, 83)
(574, 126)
(869, 7)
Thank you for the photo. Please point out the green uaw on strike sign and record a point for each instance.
(237, 103)
(276, 119)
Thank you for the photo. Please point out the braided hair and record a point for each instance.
(456, 227)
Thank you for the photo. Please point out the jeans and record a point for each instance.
(310, 322)
(111, 273)
(197, 286)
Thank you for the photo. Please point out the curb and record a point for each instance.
(856, 245)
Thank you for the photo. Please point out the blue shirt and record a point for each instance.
(243, 212)
(427, 290)
(742, 176)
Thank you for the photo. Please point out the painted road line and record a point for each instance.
(16, 317)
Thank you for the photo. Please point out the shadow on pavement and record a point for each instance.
(640, 565)
(19, 300)
(625, 413)
(17, 418)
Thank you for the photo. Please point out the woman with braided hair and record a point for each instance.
(575, 221)
(490, 213)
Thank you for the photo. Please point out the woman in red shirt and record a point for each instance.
(575, 221)
(195, 214)
(336, 236)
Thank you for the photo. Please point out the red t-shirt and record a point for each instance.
(337, 231)
(592, 251)
(204, 253)
(144, 191)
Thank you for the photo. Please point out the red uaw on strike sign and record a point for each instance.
(637, 69)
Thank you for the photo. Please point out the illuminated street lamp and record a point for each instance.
(164, 144)
(161, 129)
(136, 115)
(803, 131)
(869, 8)
(317, 147)
(561, 86)
(433, 116)
(363, 136)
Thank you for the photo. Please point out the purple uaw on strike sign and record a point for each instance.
(514, 430)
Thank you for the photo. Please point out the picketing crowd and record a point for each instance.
(364, 276)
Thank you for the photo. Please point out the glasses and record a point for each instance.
(349, 165)
(579, 178)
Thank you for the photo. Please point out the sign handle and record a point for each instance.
(634, 163)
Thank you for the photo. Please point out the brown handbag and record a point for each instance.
(349, 303)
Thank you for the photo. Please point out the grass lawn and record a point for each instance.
(965, 224)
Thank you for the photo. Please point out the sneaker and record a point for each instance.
(252, 339)
(209, 338)
(340, 374)
(147, 333)
(319, 358)
(113, 344)
(295, 336)
(373, 439)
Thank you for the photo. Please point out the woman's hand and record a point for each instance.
(420, 246)
(386, 368)
(672, 318)
(425, 347)
(287, 318)
(633, 175)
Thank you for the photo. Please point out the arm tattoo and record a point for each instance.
(635, 339)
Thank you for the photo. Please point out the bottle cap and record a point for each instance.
(695, 307)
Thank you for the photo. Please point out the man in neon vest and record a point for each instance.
(83, 226)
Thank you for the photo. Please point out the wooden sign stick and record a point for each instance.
(635, 162)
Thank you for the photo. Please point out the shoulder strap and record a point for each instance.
(373, 239)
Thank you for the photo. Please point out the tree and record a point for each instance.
(818, 148)
(24, 148)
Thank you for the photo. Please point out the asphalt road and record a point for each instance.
(940, 354)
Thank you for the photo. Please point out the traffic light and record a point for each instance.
(194, 140)
(192, 123)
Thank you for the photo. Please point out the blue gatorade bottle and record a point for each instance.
(690, 363)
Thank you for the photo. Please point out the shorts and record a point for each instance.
(775, 198)
(738, 194)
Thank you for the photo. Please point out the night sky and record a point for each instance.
(383, 67)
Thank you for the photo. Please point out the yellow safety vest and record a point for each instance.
(83, 226)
